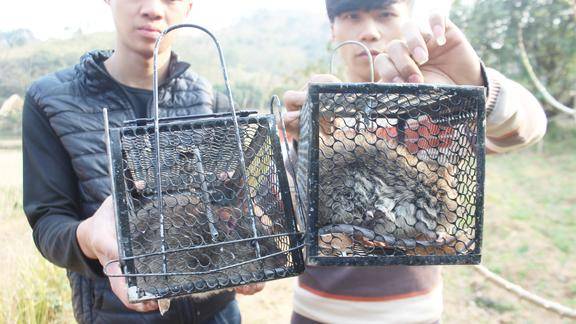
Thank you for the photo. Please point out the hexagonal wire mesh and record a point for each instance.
(218, 211)
(392, 174)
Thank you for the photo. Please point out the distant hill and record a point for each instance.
(20, 65)
(15, 38)
(261, 51)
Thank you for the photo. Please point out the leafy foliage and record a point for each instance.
(549, 32)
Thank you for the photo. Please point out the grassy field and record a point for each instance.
(530, 227)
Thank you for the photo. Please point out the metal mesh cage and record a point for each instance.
(392, 174)
(216, 231)
(202, 202)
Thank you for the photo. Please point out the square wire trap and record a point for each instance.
(202, 202)
(392, 174)
(216, 231)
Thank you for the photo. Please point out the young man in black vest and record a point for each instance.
(404, 294)
(66, 181)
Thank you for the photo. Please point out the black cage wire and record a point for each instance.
(392, 174)
(215, 214)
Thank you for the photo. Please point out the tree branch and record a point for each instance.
(526, 62)
(525, 294)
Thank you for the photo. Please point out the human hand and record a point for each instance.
(250, 289)
(294, 100)
(443, 57)
(97, 239)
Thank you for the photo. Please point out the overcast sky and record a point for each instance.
(56, 18)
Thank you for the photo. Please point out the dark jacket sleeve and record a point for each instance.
(51, 198)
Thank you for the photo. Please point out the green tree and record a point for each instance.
(549, 31)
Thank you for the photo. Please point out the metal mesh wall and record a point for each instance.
(392, 174)
(215, 231)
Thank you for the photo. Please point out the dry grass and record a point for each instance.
(529, 239)
(31, 290)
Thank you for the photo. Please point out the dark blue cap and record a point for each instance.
(338, 7)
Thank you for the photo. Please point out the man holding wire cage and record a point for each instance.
(432, 51)
(66, 183)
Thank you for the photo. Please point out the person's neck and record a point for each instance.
(134, 70)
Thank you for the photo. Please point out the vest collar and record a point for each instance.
(95, 78)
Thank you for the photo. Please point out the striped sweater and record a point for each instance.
(403, 294)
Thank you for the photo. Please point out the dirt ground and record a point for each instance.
(528, 238)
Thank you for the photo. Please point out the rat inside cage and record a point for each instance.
(202, 202)
(392, 174)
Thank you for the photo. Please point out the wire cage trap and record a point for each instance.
(392, 174)
(202, 202)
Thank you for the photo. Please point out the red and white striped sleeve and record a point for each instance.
(515, 118)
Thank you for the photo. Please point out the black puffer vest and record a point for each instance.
(73, 100)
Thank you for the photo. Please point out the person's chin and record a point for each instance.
(146, 51)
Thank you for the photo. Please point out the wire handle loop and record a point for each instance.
(366, 49)
(242, 160)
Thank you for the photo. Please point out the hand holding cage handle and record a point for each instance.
(242, 165)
